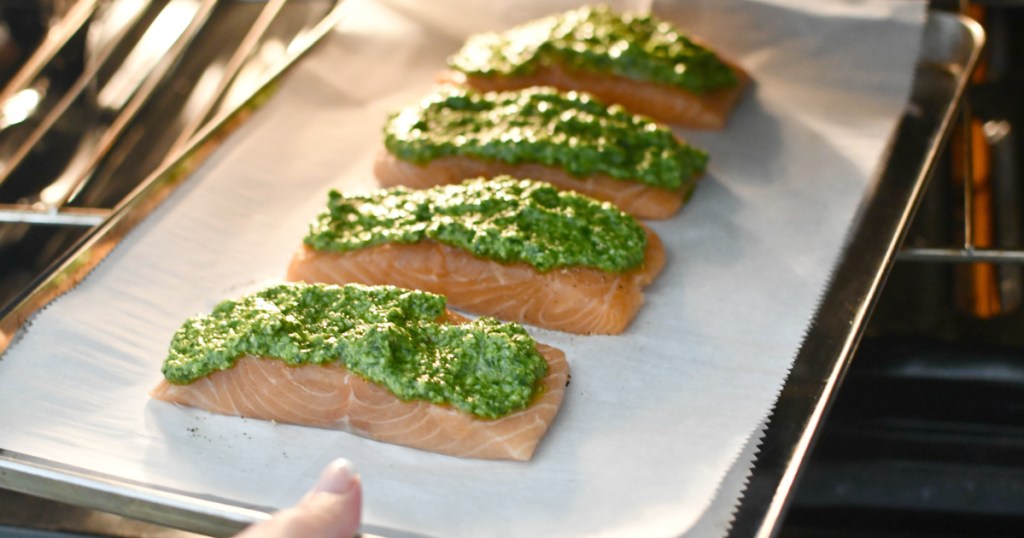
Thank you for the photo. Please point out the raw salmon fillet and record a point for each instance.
(576, 300)
(662, 102)
(637, 199)
(333, 397)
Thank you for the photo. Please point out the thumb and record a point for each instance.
(331, 508)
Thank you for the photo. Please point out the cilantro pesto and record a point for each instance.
(502, 219)
(387, 335)
(570, 131)
(597, 39)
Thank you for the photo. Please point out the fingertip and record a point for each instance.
(332, 508)
(338, 477)
(336, 501)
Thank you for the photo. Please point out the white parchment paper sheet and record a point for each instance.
(654, 419)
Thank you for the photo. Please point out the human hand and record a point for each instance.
(331, 509)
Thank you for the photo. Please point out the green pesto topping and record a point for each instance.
(597, 39)
(387, 335)
(503, 219)
(570, 131)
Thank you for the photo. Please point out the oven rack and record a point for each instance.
(969, 251)
(982, 170)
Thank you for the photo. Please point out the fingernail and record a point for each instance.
(338, 477)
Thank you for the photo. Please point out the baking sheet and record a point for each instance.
(654, 419)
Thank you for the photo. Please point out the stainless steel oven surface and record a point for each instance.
(914, 431)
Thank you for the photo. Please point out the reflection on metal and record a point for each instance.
(16, 145)
(164, 41)
(169, 27)
(55, 41)
(227, 74)
(19, 107)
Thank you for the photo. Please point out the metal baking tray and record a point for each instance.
(950, 49)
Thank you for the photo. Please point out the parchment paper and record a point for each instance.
(654, 419)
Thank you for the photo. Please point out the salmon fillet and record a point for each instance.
(661, 102)
(577, 300)
(333, 397)
(647, 65)
(637, 199)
